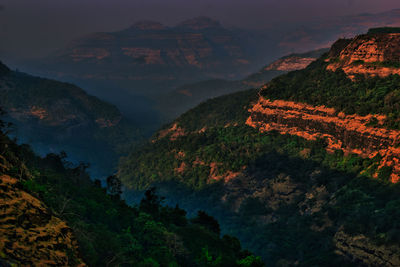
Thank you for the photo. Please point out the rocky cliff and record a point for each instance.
(290, 63)
(373, 54)
(349, 133)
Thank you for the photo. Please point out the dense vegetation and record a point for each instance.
(317, 86)
(111, 233)
(56, 116)
(354, 202)
(291, 198)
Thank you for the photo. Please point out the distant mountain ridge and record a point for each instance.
(149, 59)
(151, 55)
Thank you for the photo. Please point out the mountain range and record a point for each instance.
(297, 163)
(132, 68)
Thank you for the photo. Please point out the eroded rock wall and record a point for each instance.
(349, 133)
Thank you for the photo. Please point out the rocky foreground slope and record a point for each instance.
(29, 233)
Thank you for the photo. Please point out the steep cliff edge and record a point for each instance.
(374, 54)
(292, 62)
(349, 133)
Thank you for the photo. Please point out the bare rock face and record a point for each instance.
(349, 133)
(29, 234)
(361, 250)
(290, 63)
(376, 54)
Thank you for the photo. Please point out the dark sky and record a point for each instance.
(36, 27)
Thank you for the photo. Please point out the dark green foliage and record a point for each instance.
(268, 157)
(109, 232)
(151, 202)
(73, 120)
(206, 221)
(114, 186)
(317, 86)
(291, 196)
(219, 111)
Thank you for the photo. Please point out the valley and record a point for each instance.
(185, 140)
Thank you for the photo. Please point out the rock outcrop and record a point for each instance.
(30, 235)
(374, 54)
(349, 133)
(359, 249)
(290, 63)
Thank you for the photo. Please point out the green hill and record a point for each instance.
(60, 217)
(53, 116)
(303, 170)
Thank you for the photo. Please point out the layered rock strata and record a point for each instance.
(349, 133)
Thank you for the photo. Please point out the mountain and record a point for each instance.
(135, 67)
(54, 116)
(53, 214)
(151, 56)
(374, 54)
(304, 170)
(188, 96)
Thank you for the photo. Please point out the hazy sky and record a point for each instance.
(35, 27)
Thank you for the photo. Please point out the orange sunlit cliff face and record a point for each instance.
(368, 55)
(376, 53)
(349, 133)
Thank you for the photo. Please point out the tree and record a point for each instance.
(207, 221)
(151, 202)
(114, 186)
